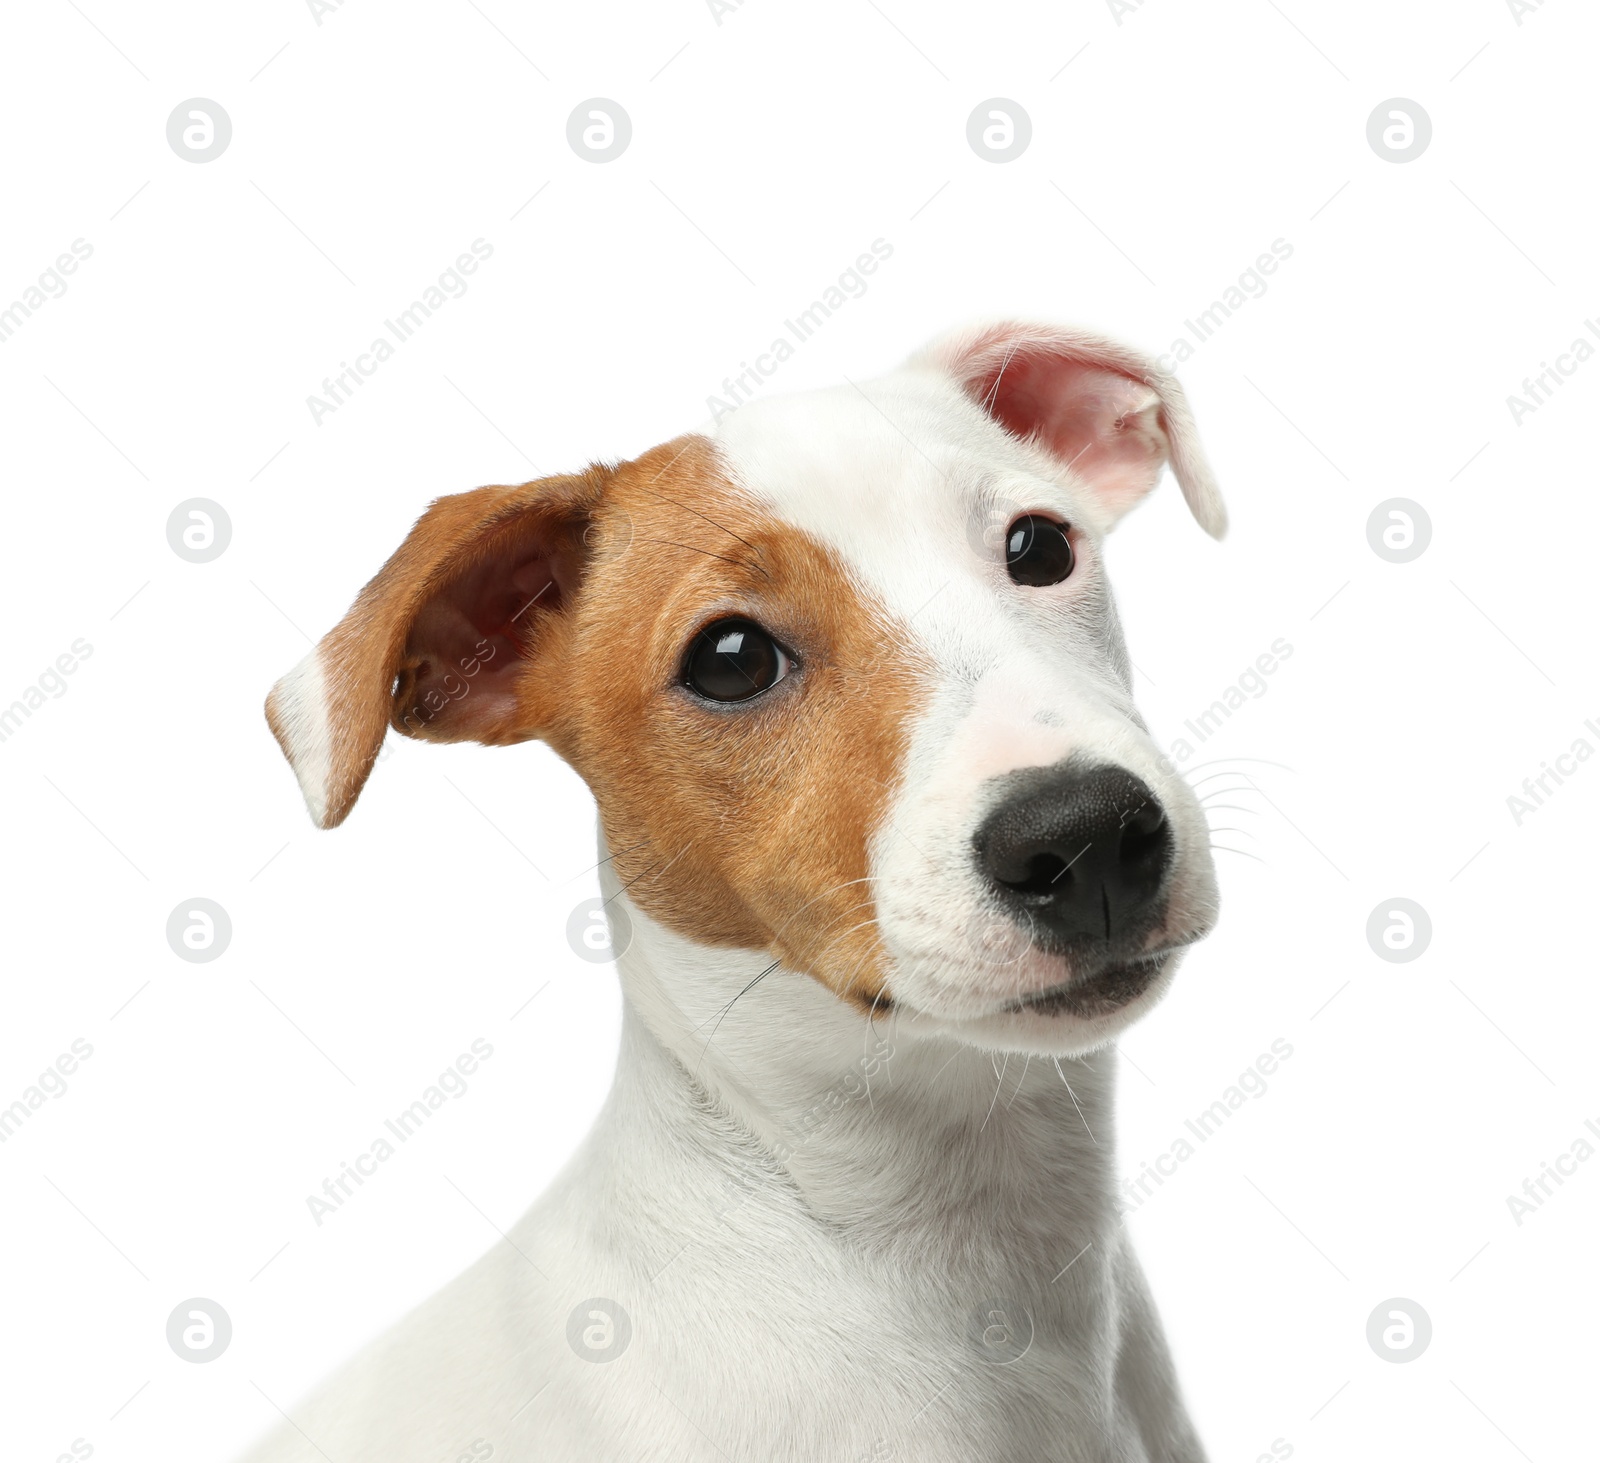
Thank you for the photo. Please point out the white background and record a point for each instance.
(768, 151)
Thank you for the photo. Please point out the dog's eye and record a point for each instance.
(734, 660)
(1038, 551)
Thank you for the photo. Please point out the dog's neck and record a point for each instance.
(900, 1137)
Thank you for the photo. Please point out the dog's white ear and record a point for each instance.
(437, 643)
(1106, 412)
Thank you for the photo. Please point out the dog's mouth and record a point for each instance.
(1106, 991)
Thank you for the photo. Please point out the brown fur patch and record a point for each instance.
(745, 825)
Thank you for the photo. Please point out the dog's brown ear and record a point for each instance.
(1106, 412)
(437, 643)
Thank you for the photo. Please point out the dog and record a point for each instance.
(896, 860)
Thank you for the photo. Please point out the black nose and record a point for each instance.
(1084, 850)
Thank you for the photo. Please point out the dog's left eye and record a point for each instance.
(733, 660)
(1038, 551)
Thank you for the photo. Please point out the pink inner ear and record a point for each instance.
(1100, 423)
(471, 640)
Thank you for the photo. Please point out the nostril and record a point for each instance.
(1144, 838)
(1046, 874)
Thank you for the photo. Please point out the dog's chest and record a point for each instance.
(783, 1349)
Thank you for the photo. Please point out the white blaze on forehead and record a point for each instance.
(830, 464)
(892, 477)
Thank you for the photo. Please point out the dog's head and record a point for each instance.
(844, 675)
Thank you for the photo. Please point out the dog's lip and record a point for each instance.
(1107, 991)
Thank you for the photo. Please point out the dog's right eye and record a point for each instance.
(733, 660)
(1038, 551)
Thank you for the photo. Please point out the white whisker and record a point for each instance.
(1020, 1080)
(996, 1098)
(1223, 848)
(1074, 1096)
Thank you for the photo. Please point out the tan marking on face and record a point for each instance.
(748, 824)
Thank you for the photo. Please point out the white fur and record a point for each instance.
(804, 1213)
(300, 703)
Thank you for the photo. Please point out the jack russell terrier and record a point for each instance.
(845, 677)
